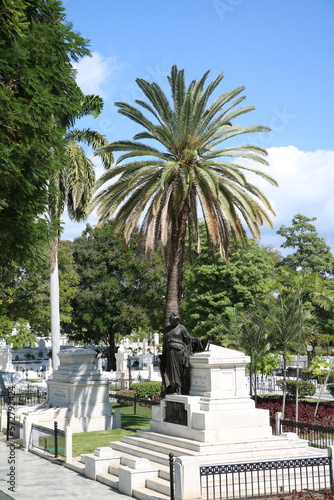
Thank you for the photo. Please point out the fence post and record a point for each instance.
(278, 417)
(8, 425)
(330, 456)
(187, 478)
(68, 443)
(56, 439)
(171, 475)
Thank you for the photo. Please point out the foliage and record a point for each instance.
(312, 254)
(38, 98)
(146, 390)
(22, 336)
(324, 416)
(164, 189)
(330, 388)
(127, 394)
(318, 368)
(267, 364)
(304, 388)
(24, 292)
(211, 288)
(119, 291)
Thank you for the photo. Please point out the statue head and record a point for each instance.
(174, 319)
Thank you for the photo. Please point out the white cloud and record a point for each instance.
(93, 73)
(306, 180)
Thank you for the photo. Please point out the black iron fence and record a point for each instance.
(51, 441)
(133, 401)
(271, 478)
(22, 398)
(318, 436)
(124, 383)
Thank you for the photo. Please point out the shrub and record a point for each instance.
(127, 394)
(146, 390)
(325, 412)
(330, 388)
(304, 388)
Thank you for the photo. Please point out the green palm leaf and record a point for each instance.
(186, 173)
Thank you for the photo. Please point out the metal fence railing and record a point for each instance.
(271, 478)
(22, 398)
(133, 401)
(318, 436)
(51, 441)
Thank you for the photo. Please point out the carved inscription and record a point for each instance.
(176, 413)
(59, 393)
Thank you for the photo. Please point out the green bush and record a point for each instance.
(127, 394)
(146, 390)
(330, 389)
(304, 388)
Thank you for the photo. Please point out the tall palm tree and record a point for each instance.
(167, 189)
(72, 188)
(304, 285)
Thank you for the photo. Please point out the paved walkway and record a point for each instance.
(35, 478)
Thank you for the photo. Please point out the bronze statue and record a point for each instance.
(177, 347)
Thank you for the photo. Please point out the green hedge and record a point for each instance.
(304, 388)
(146, 390)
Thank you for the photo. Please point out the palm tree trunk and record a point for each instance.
(54, 304)
(175, 265)
(284, 379)
(300, 327)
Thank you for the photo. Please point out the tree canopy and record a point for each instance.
(211, 288)
(311, 254)
(38, 98)
(119, 291)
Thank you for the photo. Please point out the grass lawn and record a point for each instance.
(86, 442)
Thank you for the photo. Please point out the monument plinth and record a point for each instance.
(78, 395)
(81, 388)
(218, 408)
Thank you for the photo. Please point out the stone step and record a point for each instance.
(159, 485)
(137, 451)
(147, 494)
(184, 444)
(76, 466)
(156, 446)
(166, 439)
(108, 479)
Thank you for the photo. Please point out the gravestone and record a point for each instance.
(80, 387)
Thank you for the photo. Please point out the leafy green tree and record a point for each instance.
(22, 336)
(212, 287)
(119, 290)
(190, 173)
(25, 292)
(311, 254)
(38, 98)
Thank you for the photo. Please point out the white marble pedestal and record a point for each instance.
(218, 409)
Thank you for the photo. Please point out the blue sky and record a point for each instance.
(282, 51)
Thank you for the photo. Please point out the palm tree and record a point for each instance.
(304, 285)
(165, 189)
(72, 188)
